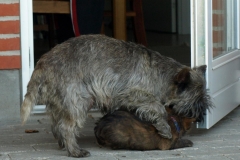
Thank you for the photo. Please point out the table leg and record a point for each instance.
(119, 19)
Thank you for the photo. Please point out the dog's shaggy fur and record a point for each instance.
(123, 130)
(98, 71)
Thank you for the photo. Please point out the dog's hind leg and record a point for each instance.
(55, 131)
(72, 118)
(57, 136)
(68, 131)
(65, 127)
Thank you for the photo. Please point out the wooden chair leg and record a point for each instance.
(139, 29)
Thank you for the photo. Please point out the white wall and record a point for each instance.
(9, 95)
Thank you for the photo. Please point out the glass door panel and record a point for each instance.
(224, 18)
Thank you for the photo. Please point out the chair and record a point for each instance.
(137, 14)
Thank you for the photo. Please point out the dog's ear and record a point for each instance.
(201, 69)
(183, 77)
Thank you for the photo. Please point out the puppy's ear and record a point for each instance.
(169, 109)
(201, 69)
(187, 122)
(183, 77)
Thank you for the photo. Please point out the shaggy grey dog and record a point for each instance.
(98, 71)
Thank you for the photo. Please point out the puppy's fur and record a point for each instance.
(98, 71)
(123, 130)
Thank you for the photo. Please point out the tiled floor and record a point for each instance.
(221, 142)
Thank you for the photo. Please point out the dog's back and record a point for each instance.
(94, 67)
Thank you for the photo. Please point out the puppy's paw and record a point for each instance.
(182, 143)
(187, 143)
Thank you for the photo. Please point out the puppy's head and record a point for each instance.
(186, 123)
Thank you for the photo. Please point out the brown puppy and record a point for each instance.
(123, 130)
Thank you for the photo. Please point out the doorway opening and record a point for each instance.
(167, 26)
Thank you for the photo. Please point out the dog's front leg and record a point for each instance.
(157, 117)
(148, 108)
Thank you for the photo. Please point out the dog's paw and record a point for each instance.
(84, 153)
(165, 134)
(80, 153)
(61, 144)
(164, 130)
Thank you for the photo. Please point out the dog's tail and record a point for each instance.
(32, 94)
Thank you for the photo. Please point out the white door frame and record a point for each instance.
(223, 76)
(26, 38)
(27, 49)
